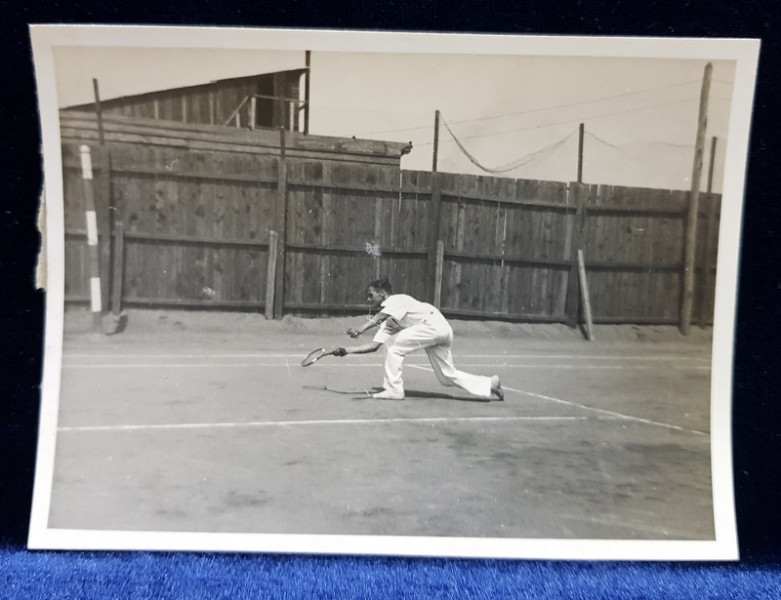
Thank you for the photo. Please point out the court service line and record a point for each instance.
(300, 354)
(602, 411)
(235, 425)
(200, 365)
(609, 413)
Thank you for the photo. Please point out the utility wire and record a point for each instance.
(553, 107)
(581, 102)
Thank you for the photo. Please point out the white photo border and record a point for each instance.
(745, 52)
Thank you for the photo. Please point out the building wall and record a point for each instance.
(216, 103)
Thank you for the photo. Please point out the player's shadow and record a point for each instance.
(442, 396)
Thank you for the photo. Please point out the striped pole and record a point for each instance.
(96, 303)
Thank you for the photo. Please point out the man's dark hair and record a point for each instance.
(382, 284)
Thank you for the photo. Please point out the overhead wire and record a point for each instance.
(580, 102)
(547, 108)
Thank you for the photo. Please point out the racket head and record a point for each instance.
(313, 357)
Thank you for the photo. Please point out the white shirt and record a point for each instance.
(406, 310)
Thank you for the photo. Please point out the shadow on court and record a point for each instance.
(365, 394)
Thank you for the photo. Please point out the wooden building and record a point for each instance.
(269, 100)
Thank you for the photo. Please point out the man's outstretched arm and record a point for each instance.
(361, 349)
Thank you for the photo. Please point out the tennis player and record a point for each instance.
(406, 324)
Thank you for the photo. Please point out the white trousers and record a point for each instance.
(435, 336)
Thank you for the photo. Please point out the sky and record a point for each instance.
(521, 111)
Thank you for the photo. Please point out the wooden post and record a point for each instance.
(96, 301)
(281, 226)
(440, 260)
(252, 112)
(306, 91)
(435, 215)
(581, 130)
(710, 238)
(281, 109)
(118, 274)
(102, 205)
(378, 228)
(98, 111)
(433, 239)
(107, 213)
(691, 226)
(584, 295)
(436, 142)
(575, 241)
(271, 273)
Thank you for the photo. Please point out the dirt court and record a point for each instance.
(192, 421)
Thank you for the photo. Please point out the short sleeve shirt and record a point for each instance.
(406, 310)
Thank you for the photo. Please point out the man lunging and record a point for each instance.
(406, 324)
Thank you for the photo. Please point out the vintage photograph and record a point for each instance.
(403, 294)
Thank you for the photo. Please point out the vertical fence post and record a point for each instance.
(308, 62)
(281, 225)
(102, 200)
(581, 129)
(439, 262)
(710, 238)
(106, 214)
(575, 240)
(99, 111)
(118, 275)
(271, 273)
(252, 111)
(96, 302)
(584, 296)
(691, 227)
(433, 237)
(435, 216)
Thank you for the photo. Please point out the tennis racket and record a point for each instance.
(315, 355)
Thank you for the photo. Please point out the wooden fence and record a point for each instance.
(192, 229)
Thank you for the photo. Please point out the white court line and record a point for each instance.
(299, 355)
(197, 365)
(177, 355)
(609, 413)
(602, 411)
(88, 428)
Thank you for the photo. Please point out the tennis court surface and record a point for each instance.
(206, 422)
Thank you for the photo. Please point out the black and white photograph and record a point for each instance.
(391, 294)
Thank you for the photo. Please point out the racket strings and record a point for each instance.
(313, 356)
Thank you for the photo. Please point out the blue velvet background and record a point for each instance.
(26, 574)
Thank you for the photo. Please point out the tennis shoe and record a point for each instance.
(496, 388)
(387, 395)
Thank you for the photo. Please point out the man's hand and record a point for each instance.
(353, 332)
(340, 351)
